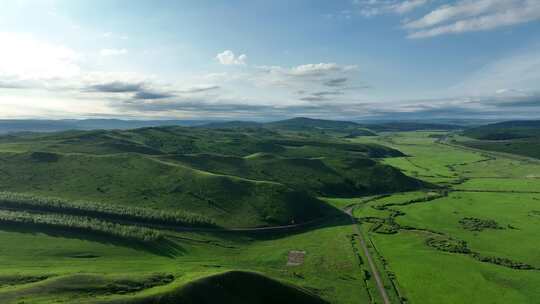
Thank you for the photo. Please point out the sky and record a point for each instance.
(266, 60)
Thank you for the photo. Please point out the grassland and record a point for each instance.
(234, 178)
(459, 225)
(475, 242)
(56, 260)
(159, 215)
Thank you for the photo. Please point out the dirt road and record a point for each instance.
(374, 271)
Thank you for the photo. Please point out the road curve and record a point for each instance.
(374, 271)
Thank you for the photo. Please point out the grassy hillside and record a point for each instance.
(516, 137)
(302, 123)
(338, 176)
(138, 181)
(299, 125)
(134, 216)
(411, 126)
(506, 130)
(234, 178)
(233, 287)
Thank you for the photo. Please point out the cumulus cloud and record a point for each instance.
(318, 69)
(473, 15)
(228, 57)
(309, 70)
(112, 52)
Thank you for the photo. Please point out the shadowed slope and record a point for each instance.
(233, 287)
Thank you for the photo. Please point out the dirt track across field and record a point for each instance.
(372, 266)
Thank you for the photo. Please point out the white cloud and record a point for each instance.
(370, 8)
(306, 70)
(112, 52)
(473, 15)
(114, 35)
(408, 6)
(25, 58)
(520, 71)
(228, 57)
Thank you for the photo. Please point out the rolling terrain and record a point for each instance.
(163, 214)
(483, 223)
(515, 137)
(251, 214)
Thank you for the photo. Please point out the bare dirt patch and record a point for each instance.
(296, 258)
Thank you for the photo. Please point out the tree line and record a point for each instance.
(81, 223)
(17, 201)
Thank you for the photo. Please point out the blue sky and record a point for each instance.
(270, 59)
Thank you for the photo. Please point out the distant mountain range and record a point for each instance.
(293, 124)
(37, 125)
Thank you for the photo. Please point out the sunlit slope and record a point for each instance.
(338, 176)
(237, 178)
(138, 181)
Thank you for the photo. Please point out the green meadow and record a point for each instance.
(164, 215)
(476, 242)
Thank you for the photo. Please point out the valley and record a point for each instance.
(87, 219)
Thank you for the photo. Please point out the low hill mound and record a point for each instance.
(233, 287)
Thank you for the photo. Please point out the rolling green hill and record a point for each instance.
(298, 124)
(506, 130)
(138, 181)
(516, 137)
(411, 126)
(234, 178)
(323, 176)
(303, 123)
(233, 287)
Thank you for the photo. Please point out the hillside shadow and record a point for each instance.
(263, 235)
(164, 247)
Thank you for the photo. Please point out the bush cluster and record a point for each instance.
(476, 224)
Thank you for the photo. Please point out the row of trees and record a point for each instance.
(17, 201)
(81, 223)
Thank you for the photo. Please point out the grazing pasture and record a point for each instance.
(484, 224)
(158, 224)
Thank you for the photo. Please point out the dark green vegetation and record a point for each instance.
(230, 178)
(78, 223)
(476, 224)
(150, 216)
(516, 137)
(233, 287)
(412, 126)
(17, 201)
(91, 216)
